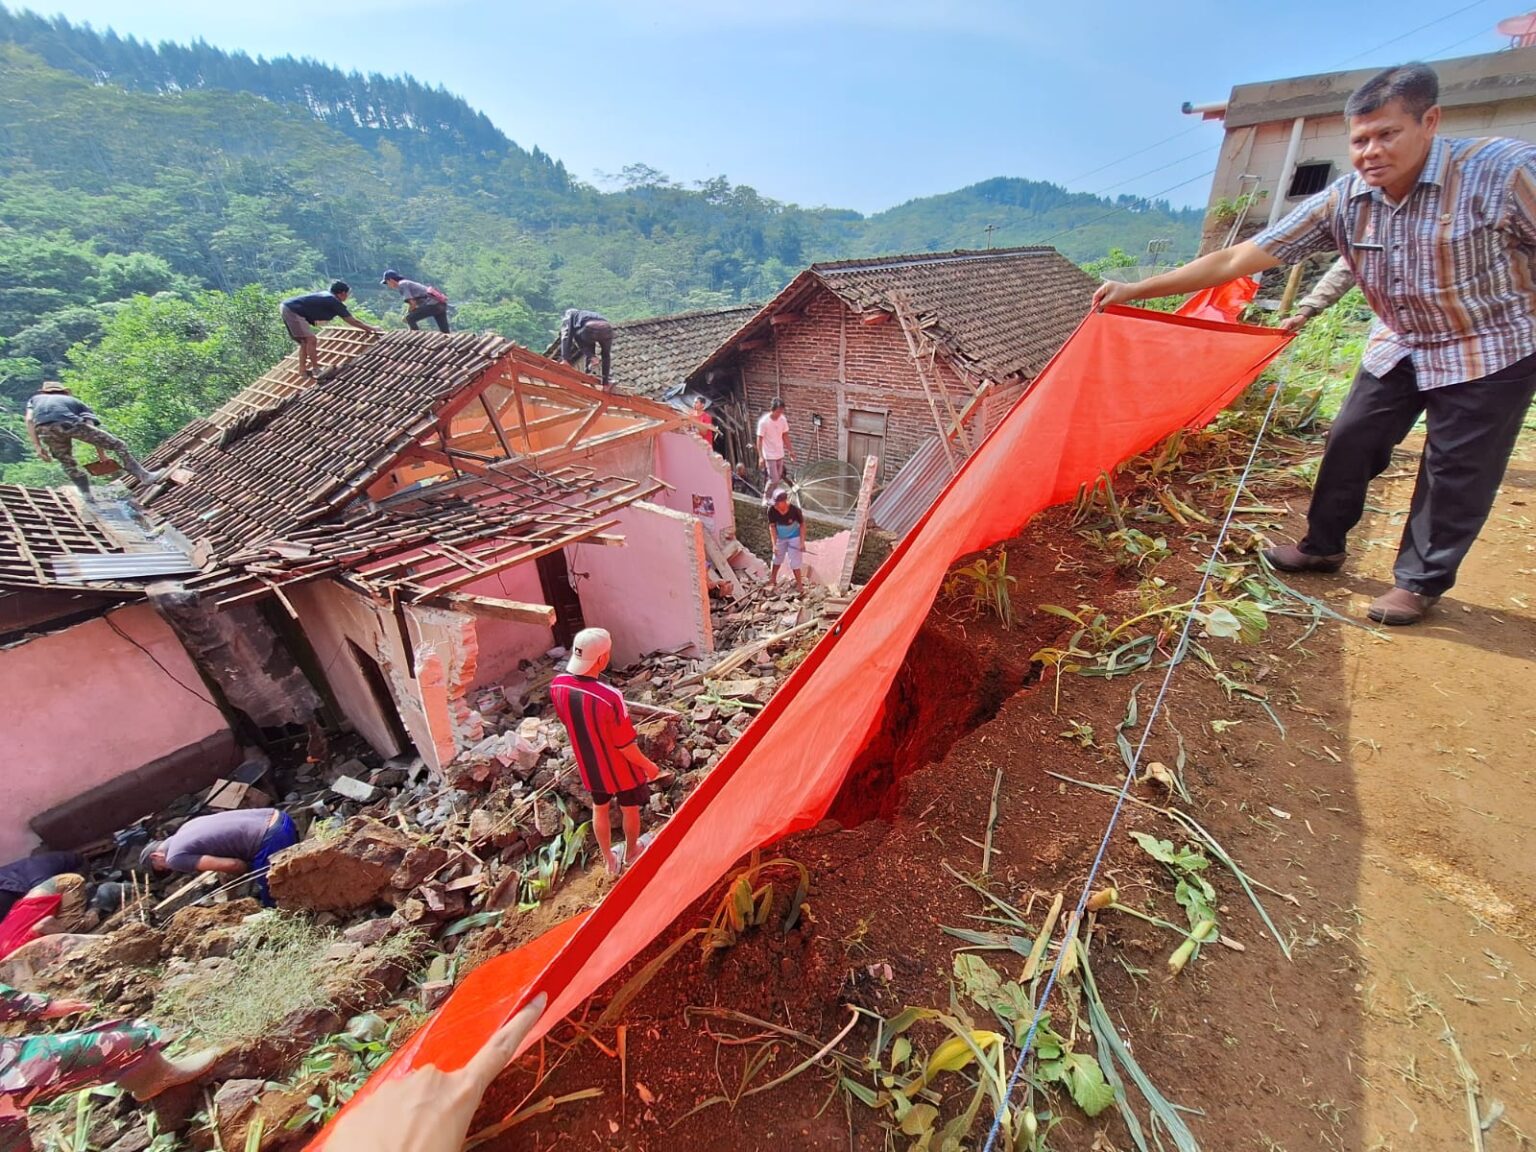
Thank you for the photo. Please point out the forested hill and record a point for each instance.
(155, 200)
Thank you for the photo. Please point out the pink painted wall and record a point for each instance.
(650, 593)
(695, 470)
(502, 642)
(83, 706)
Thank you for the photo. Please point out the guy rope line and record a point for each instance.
(1174, 661)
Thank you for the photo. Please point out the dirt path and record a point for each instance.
(1442, 723)
(1394, 809)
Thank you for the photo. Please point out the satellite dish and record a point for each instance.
(1520, 29)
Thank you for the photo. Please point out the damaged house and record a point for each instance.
(911, 359)
(371, 548)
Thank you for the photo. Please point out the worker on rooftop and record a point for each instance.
(605, 743)
(422, 301)
(301, 313)
(584, 335)
(55, 420)
(1440, 233)
(231, 842)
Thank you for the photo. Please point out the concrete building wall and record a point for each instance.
(700, 480)
(650, 593)
(829, 363)
(503, 643)
(92, 703)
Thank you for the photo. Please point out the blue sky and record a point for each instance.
(850, 103)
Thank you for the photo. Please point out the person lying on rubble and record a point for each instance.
(56, 905)
(605, 743)
(55, 420)
(232, 842)
(20, 876)
(787, 523)
(301, 313)
(422, 301)
(428, 1109)
(36, 1069)
(582, 336)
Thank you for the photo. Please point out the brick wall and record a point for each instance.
(800, 363)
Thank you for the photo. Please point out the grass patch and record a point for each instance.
(279, 967)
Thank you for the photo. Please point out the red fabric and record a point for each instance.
(1224, 303)
(1124, 381)
(25, 915)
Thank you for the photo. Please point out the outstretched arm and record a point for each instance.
(1206, 272)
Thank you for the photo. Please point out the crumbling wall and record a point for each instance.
(700, 480)
(89, 704)
(652, 593)
(445, 650)
(503, 643)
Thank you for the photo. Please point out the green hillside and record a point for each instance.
(142, 186)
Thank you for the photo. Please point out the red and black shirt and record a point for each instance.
(598, 723)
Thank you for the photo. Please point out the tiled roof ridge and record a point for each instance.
(696, 314)
(916, 259)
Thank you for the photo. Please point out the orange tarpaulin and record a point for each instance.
(1223, 302)
(1124, 381)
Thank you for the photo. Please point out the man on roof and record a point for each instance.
(422, 301)
(1440, 234)
(230, 842)
(582, 336)
(55, 420)
(301, 313)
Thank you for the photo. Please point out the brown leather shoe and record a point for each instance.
(1401, 606)
(1290, 558)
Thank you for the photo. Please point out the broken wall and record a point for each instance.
(700, 481)
(94, 703)
(651, 593)
(503, 643)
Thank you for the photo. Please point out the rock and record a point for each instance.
(418, 865)
(434, 992)
(136, 1139)
(353, 768)
(658, 737)
(367, 1026)
(341, 952)
(683, 759)
(388, 778)
(211, 930)
(355, 789)
(481, 825)
(134, 945)
(240, 1104)
(346, 872)
(370, 931)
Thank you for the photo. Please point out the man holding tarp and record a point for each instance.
(1441, 236)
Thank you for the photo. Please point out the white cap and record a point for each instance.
(589, 649)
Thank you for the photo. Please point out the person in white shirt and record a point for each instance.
(773, 445)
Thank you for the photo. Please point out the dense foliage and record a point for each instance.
(158, 200)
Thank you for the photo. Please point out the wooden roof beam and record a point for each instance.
(512, 611)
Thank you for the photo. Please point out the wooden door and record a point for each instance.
(866, 437)
(555, 580)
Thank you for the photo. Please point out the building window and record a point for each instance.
(1310, 179)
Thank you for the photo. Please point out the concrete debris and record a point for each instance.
(345, 872)
(354, 789)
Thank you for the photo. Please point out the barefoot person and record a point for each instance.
(604, 741)
(787, 523)
(36, 1069)
(230, 842)
(1440, 233)
(301, 313)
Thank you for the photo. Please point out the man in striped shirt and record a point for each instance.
(604, 741)
(1441, 236)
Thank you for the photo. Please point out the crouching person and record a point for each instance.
(604, 741)
(231, 842)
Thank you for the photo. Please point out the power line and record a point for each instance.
(1465, 39)
(1153, 171)
(1132, 155)
(112, 624)
(1126, 208)
(1413, 31)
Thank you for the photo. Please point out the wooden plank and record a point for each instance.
(860, 520)
(514, 611)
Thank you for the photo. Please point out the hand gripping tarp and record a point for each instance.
(1125, 380)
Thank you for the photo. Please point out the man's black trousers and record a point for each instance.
(1471, 432)
(437, 311)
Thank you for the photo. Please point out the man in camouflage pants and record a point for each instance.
(55, 419)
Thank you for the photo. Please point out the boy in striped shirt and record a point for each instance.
(604, 741)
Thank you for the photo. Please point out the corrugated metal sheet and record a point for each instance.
(913, 489)
(90, 567)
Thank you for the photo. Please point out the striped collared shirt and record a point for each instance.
(1450, 272)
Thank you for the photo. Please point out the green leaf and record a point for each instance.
(866, 1096)
(474, 920)
(1085, 1080)
(919, 1120)
(1220, 621)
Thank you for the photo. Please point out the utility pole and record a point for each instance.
(990, 228)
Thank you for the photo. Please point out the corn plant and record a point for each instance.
(553, 860)
(989, 587)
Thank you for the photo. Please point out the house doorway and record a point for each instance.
(378, 688)
(866, 437)
(555, 582)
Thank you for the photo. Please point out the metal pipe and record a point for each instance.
(1217, 108)
(1287, 170)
